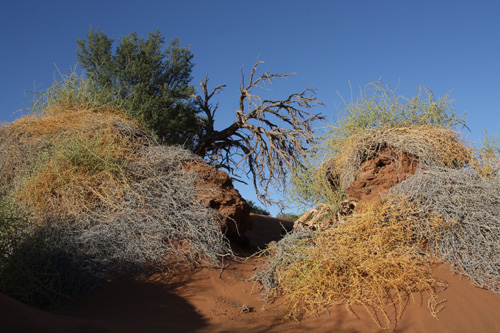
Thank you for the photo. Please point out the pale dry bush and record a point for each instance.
(104, 200)
(473, 202)
(156, 223)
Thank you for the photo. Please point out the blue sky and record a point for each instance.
(449, 46)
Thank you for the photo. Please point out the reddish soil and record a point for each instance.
(217, 191)
(208, 300)
(379, 174)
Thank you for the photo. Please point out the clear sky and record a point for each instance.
(447, 45)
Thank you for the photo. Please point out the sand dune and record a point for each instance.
(208, 300)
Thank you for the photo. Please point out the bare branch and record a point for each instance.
(268, 138)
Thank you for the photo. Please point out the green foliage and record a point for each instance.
(311, 184)
(376, 107)
(73, 91)
(12, 225)
(491, 143)
(488, 155)
(85, 152)
(152, 84)
(26, 274)
(256, 209)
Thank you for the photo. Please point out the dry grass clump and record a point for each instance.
(156, 225)
(429, 145)
(67, 162)
(426, 145)
(72, 91)
(422, 126)
(373, 258)
(474, 203)
(161, 204)
(104, 199)
(291, 248)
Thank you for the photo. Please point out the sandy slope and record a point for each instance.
(205, 300)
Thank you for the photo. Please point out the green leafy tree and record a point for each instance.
(268, 137)
(152, 83)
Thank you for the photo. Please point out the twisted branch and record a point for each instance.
(267, 139)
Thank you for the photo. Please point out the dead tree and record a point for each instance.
(268, 137)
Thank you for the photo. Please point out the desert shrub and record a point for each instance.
(378, 118)
(378, 106)
(71, 91)
(67, 162)
(373, 259)
(156, 224)
(291, 248)
(379, 256)
(428, 146)
(487, 154)
(105, 200)
(12, 227)
(28, 272)
(168, 221)
(474, 203)
(41, 272)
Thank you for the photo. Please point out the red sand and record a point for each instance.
(205, 300)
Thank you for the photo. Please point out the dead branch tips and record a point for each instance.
(269, 137)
